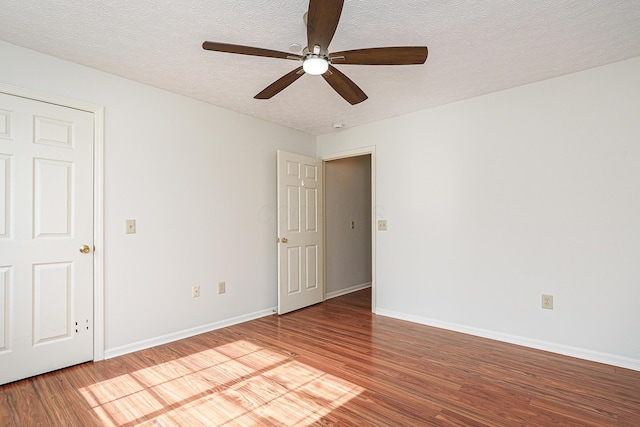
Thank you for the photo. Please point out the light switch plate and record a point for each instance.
(130, 225)
(382, 225)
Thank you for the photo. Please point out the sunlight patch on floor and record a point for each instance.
(234, 384)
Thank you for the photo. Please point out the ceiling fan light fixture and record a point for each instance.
(315, 65)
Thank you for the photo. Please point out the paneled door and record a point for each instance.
(46, 237)
(300, 235)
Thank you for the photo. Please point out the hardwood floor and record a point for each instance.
(331, 364)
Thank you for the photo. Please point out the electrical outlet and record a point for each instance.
(547, 301)
(222, 288)
(382, 225)
(195, 291)
(353, 225)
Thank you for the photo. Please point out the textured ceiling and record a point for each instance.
(475, 47)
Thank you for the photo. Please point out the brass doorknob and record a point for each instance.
(85, 249)
(284, 240)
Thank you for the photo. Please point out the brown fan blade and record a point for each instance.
(382, 56)
(248, 50)
(280, 84)
(322, 21)
(344, 86)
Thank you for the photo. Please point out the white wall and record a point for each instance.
(493, 201)
(347, 198)
(199, 180)
(490, 202)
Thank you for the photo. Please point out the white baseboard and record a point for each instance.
(175, 336)
(348, 290)
(580, 353)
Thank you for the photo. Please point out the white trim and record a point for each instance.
(186, 333)
(363, 151)
(98, 200)
(324, 236)
(348, 290)
(98, 235)
(580, 353)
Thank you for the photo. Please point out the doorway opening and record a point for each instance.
(349, 223)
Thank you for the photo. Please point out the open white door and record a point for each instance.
(300, 235)
(46, 237)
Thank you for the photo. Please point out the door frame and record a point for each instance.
(363, 151)
(98, 200)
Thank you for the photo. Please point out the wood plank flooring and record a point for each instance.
(333, 364)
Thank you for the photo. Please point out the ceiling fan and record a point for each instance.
(322, 21)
